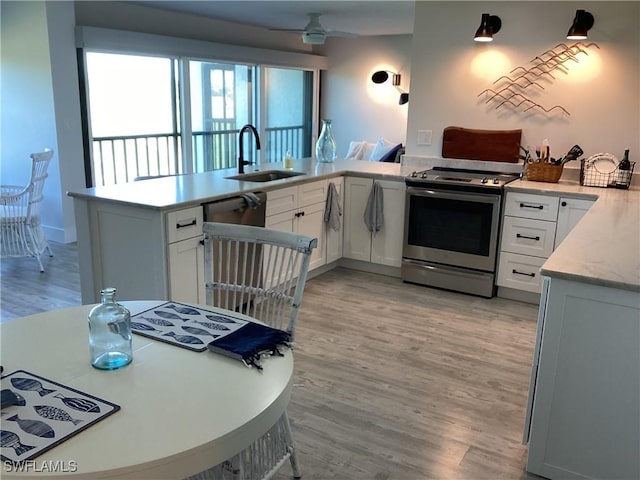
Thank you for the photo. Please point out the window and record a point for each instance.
(143, 121)
(133, 117)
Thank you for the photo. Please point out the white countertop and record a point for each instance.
(603, 249)
(193, 189)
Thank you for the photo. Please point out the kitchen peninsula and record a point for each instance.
(125, 231)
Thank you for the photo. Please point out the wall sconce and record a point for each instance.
(489, 25)
(582, 23)
(382, 76)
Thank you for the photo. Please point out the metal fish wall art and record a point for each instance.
(80, 404)
(10, 439)
(55, 413)
(28, 384)
(34, 427)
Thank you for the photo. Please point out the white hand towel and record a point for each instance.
(373, 214)
(332, 209)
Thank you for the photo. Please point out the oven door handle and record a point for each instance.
(450, 195)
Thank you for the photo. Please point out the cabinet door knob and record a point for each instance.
(564, 204)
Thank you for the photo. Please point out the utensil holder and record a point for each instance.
(543, 172)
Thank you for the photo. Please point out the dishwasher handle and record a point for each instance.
(229, 208)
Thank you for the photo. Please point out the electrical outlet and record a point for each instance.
(424, 137)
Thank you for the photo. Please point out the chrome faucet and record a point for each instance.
(241, 161)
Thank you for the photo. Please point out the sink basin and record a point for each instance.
(266, 175)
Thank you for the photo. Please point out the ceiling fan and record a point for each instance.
(314, 33)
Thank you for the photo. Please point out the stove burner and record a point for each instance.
(453, 176)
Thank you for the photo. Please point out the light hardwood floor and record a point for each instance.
(393, 381)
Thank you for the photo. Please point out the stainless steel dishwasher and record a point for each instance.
(245, 209)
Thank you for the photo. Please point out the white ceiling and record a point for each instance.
(363, 17)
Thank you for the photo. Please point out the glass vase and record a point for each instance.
(110, 333)
(326, 144)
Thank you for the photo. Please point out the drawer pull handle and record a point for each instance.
(536, 238)
(537, 207)
(299, 214)
(532, 275)
(185, 225)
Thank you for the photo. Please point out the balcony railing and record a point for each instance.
(120, 159)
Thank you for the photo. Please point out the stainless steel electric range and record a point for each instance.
(451, 232)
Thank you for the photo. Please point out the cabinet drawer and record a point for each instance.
(312, 193)
(282, 200)
(527, 205)
(182, 224)
(528, 236)
(521, 272)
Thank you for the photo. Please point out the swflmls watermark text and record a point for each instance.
(40, 466)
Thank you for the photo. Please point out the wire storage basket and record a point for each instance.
(543, 172)
(602, 171)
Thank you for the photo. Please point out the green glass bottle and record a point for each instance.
(623, 178)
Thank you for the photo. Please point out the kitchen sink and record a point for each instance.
(265, 176)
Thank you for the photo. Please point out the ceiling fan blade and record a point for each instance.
(336, 33)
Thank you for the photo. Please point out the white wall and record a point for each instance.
(28, 117)
(601, 92)
(359, 109)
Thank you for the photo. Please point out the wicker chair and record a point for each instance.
(261, 273)
(21, 233)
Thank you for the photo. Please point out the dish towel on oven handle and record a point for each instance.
(374, 214)
(332, 209)
(250, 342)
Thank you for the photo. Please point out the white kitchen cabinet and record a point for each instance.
(584, 402)
(186, 271)
(300, 209)
(528, 234)
(570, 211)
(333, 238)
(385, 246)
(533, 226)
(531, 205)
(186, 255)
(144, 253)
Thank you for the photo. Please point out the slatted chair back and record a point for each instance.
(21, 230)
(257, 271)
(39, 173)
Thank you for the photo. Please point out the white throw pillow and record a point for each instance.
(355, 151)
(381, 148)
(360, 150)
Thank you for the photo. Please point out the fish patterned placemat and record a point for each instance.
(47, 413)
(183, 325)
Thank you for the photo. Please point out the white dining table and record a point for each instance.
(181, 411)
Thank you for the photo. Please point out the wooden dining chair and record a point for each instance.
(261, 273)
(21, 233)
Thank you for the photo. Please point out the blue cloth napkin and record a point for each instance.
(250, 342)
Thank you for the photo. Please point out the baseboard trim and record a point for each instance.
(518, 295)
